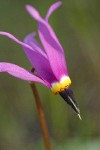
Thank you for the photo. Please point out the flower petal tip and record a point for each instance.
(33, 12)
(59, 3)
(52, 9)
(12, 37)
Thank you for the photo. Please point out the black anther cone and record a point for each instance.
(68, 96)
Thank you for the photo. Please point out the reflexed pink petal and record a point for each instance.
(51, 44)
(52, 9)
(31, 41)
(36, 56)
(20, 73)
(54, 51)
(33, 12)
(15, 39)
(39, 59)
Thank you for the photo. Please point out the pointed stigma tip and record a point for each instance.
(79, 117)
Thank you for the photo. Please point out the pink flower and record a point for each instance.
(48, 61)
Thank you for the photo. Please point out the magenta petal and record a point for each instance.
(30, 40)
(52, 9)
(39, 59)
(51, 44)
(32, 11)
(19, 72)
(36, 56)
(54, 51)
(15, 39)
(35, 14)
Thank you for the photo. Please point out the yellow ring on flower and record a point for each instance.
(64, 83)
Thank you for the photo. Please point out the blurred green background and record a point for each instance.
(77, 25)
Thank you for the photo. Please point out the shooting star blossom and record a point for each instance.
(48, 60)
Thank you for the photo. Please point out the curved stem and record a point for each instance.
(41, 116)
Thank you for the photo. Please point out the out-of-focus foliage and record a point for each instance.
(77, 24)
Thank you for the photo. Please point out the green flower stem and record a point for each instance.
(41, 116)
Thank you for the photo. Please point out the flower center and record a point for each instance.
(64, 83)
